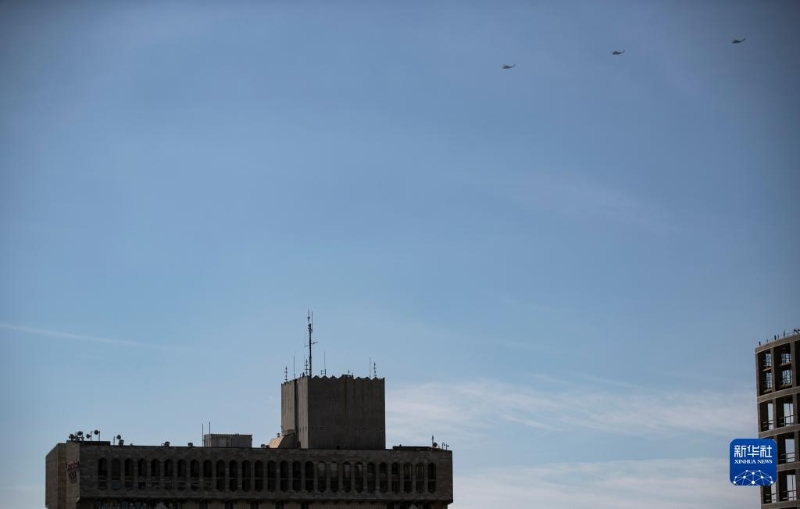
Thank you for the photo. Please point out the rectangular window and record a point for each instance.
(770, 415)
(322, 476)
(395, 478)
(788, 413)
(765, 499)
(333, 469)
(371, 477)
(383, 484)
(309, 477)
(296, 476)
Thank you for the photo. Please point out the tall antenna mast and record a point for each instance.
(310, 330)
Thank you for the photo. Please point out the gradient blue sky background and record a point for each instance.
(562, 270)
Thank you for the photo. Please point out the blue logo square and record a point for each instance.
(754, 462)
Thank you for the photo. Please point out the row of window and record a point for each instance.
(785, 358)
(181, 505)
(785, 413)
(786, 380)
(206, 505)
(280, 476)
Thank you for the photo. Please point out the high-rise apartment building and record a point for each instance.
(778, 390)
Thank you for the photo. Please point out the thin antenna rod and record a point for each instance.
(310, 342)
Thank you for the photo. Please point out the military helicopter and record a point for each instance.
(738, 41)
(506, 66)
(615, 52)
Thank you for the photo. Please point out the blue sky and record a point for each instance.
(562, 270)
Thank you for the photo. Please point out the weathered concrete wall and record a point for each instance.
(288, 392)
(335, 413)
(55, 478)
(346, 413)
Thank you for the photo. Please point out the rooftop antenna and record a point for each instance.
(286, 373)
(294, 367)
(369, 366)
(374, 370)
(324, 364)
(310, 330)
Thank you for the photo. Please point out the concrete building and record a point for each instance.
(778, 389)
(227, 440)
(331, 454)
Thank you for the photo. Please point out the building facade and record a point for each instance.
(331, 453)
(778, 390)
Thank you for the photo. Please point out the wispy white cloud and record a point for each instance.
(696, 483)
(36, 331)
(577, 196)
(468, 411)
